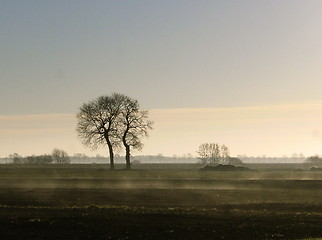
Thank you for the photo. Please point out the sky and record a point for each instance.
(242, 73)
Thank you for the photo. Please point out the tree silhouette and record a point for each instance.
(96, 123)
(60, 156)
(113, 120)
(213, 153)
(134, 124)
(209, 153)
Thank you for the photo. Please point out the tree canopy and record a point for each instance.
(213, 153)
(314, 160)
(113, 121)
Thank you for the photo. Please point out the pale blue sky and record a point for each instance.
(260, 59)
(55, 55)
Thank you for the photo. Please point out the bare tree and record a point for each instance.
(213, 153)
(16, 158)
(96, 123)
(60, 156)
(224, 154)
(203, 153)
(133, 125)
(314, 160)
(209, 153)
(113, 120)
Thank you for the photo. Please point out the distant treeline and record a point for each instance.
(81, 158)
(314, 160)
(264, 159)
(188, 158)
(57, 156)
(61, 157)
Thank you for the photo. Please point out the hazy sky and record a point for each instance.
(199, 56)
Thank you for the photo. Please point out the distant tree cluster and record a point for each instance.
(114, 121)
(213, 153)
(60, 156)
(314, 160)
(80, 155)
(57, 156)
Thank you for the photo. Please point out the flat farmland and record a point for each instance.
(158, 201)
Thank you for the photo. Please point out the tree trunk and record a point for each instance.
(127, 156)
(112, 167)
(111, 152)
(127, 148)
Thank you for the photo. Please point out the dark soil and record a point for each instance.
(64, 213)
(122, 223)
(80, 204)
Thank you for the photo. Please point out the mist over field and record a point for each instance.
(160, 120)
(174, 159)
(164, 201)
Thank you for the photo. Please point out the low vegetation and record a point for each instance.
(314, 160)
(214, 154)
(222, 167)
(57, 156)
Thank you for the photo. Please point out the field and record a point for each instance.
(158, 202)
